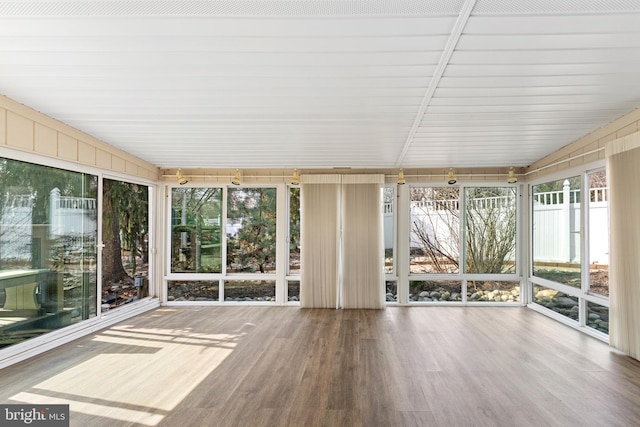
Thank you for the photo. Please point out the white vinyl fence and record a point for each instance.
(557, 230)
(556, 218)
(16, 230)
(69, 218)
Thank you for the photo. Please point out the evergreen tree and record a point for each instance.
(125, 217)
(294, 220)
(253, 212)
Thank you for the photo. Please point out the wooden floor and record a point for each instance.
(284, 366)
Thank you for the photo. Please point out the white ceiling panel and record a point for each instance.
(212, 27)
(525, 56)
(227, 59)
(431, 41)
(597, 22)
(227, 7)
(328, 83)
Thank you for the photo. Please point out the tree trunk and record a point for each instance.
(112, 269)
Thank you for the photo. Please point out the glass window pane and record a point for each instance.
(196, 230)
(294, 230)
(556, 231)
(435, 230)
(598, 234)
(293, 290)
(392, 291)
(251, 230)
(598, 317)
(493, 291)
(490, 229)
(249, 290)
(48, 256)
(567, 305)
(197, 290)
(125, 234)
(388, 196)
(435, 290)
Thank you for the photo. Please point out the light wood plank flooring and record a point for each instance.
(285, 366)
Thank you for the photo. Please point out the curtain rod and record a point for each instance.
(563, 161)
(224, 176)
(445, 174)
(386, 176)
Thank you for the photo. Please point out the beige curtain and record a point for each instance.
(362, 284)
(623, 172)
(341, 239)
(319, 238)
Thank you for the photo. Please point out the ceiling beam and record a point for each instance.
(452, 42)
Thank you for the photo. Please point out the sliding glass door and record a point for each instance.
(48, 252)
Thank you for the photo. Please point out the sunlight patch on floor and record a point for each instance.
(180, 361)
(121, 414)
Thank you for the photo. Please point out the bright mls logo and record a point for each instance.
(34, 415)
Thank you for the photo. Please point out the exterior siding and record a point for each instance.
(24, 129)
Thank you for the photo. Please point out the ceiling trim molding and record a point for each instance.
(452, 42)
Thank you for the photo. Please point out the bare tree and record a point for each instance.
(489, 229)
(436, 226)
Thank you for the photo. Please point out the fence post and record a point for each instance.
(54, 216)
(565, 235)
